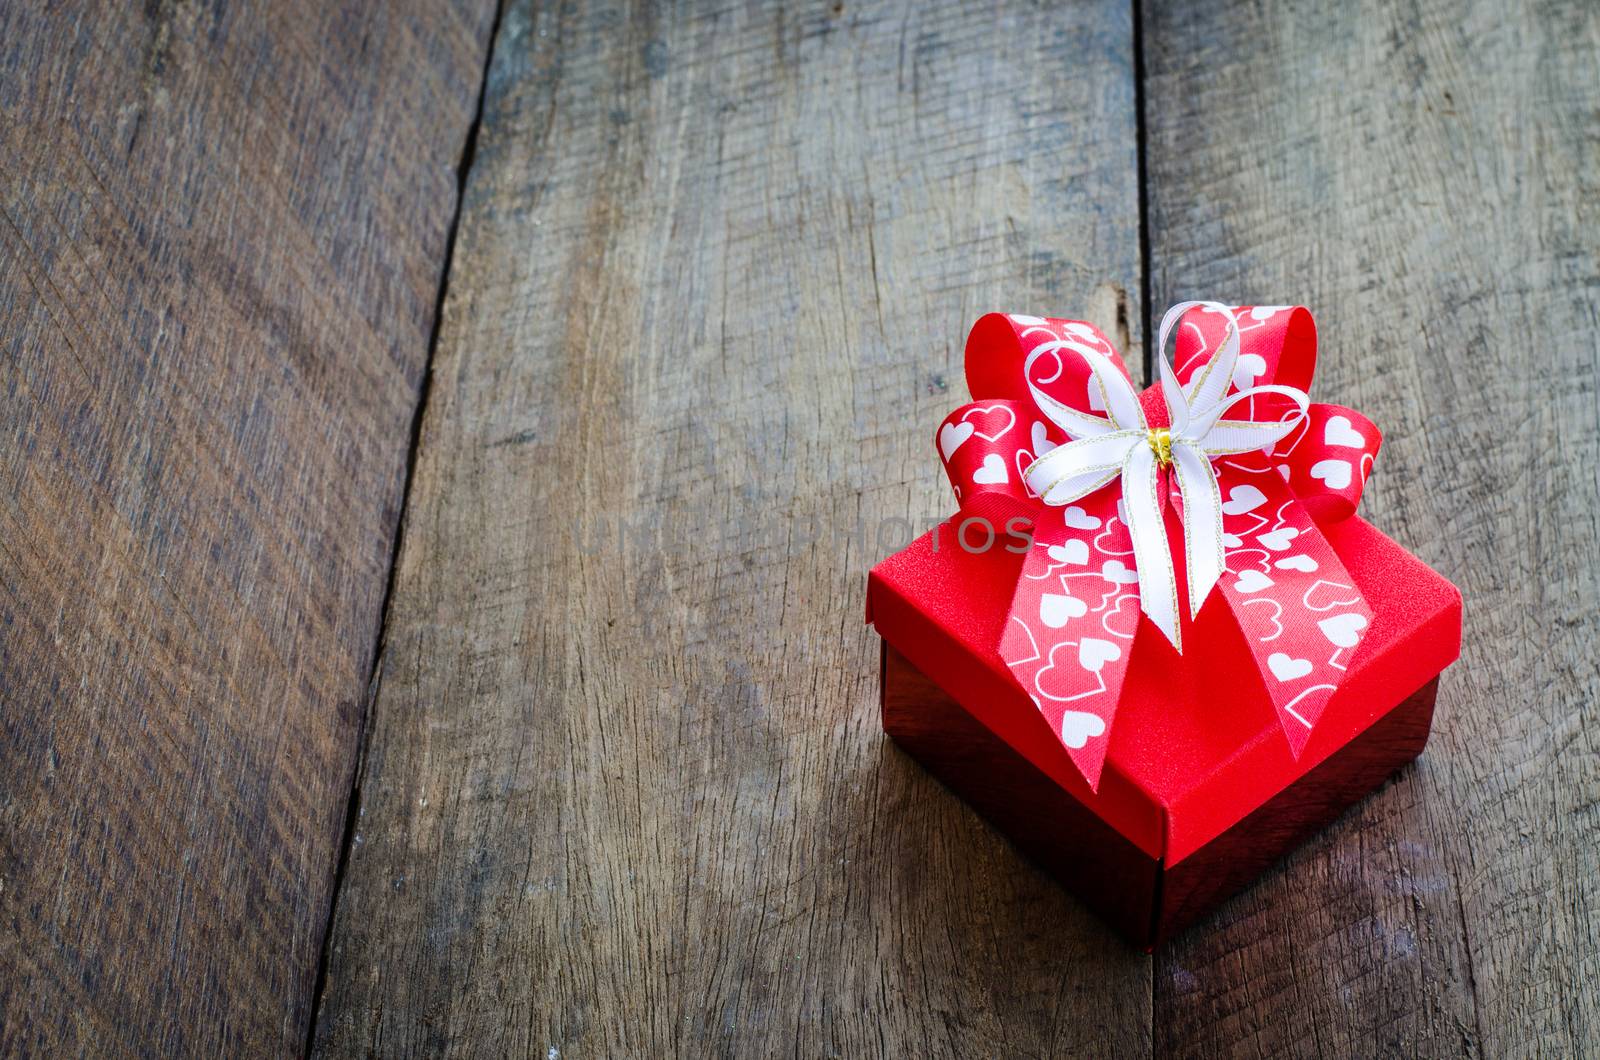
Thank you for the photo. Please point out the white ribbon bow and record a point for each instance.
(1122, 443)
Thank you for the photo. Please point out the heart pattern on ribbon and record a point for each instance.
(1077, 611)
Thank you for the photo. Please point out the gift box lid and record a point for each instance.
(1197, 745)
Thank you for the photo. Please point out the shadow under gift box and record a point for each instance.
(1200, 792)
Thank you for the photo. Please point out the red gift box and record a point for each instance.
(1199, 784)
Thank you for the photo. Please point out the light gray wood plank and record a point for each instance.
(221, 230)
(716, 270)
(1425, 177)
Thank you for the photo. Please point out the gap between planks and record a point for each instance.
(1142, 177)
(469, 150)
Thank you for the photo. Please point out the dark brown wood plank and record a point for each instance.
(1427, 178)
(221, 237)
(715, 273)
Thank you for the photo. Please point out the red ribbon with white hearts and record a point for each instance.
(1227, 444)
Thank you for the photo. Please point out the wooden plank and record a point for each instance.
(715, 272)
(1425, 177)
(221, 235)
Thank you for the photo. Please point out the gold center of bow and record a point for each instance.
(1160, 440)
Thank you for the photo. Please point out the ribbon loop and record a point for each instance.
(1115, 393)
(1081, 466)
(1240, 436)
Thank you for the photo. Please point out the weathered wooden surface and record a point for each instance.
(715, 271)
(221, 230)
(625, 791)
(1428, 178)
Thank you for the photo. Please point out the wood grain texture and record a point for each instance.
(221, 229)
(1427, 178)
(630, 797)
